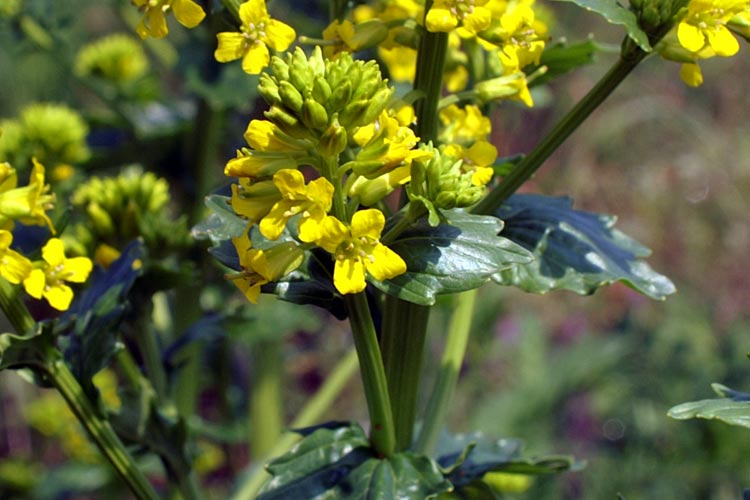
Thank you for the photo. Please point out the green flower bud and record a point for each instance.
(102, 221)
(269, 90)
(279, 69)
(352, 113)
(290, 96)
(321, 90)
(55, 134)
(116, 58)
(334, 140)
(281, 118)
(340, 96)
(300, 73)
(314, 115)
(376, 105)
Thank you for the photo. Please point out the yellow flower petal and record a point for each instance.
(334, 232)
(690, 37)
(691, 74)
(231, 46)
(54, 252)
(34, 283)
(279, 36)
(188, 13)
(253, 12)
(59, 296)
(722, 41)
(440, 19)
(385, 263)
(256, 58)
(78, 269)
(349, 276)
(368, 223)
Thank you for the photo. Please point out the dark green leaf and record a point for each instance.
(486, 454)
(459, 255)
(93, 318)
(338, 464)
(222, 223)
(615, 13)
(18, 352)
(574, 250)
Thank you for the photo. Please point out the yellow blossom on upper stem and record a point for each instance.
(446, 15)
(312, 201)
(49, 279)
(258, 32)
(357, 251)
(153, 22)
(26, 204)
(705, 25)
(464, 125)
(14, 267)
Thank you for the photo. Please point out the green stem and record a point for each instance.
(429, 80)
(570, 122)
(402, 343)
(266, 414)
(311, 413)
(382, 433)
(14, 310)
(450, 366)
(99, 430)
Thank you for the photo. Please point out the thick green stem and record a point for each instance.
(14, 310)
(402, 343)
(450, 366)
(266, 414)
(99, 430)
(382, 433)
(311, 413)
(526, 168)
(429, 80)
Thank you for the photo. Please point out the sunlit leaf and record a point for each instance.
(615, 13)
(573, 250)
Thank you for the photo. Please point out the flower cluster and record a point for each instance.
(45, 278)
(705, 29)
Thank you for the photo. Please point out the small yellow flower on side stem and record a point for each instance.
(357, 250)
(705, 25)
(154, 23)
(49, 279)
(446, 15)
(477, 159)
(258, 32)
(14, 267)
(26, 204)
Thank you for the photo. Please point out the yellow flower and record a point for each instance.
(705, 25)
(263, 266)
(477, 159)
(153, 22)
(253, 200)
(464, 125)
(26, 204)
(357, 250)
(14, 267)
(345, 36)
(445, 15)
(258, 32)
(312, 201)
(48, 281)
(401, 62)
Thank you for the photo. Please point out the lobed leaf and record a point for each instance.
(732, 409)
(573, 250)
(459, 255)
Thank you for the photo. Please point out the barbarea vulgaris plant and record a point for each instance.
(365, 186)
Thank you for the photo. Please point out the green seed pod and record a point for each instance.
(314, 115)
(290, 96)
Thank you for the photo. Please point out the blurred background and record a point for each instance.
(588, 376)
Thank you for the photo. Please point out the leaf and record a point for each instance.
(35, 351)
(486, 454)
(561, 58)
(615, 13)
(222, 223)
(336, 463)
(460, 255)
(574, 250)
(90, 325)
(726, 410)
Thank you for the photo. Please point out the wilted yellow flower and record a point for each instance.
(154, 22)
(357, 251)
(49, 279)
(258, 32)
(263, 266)
(26, 204)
